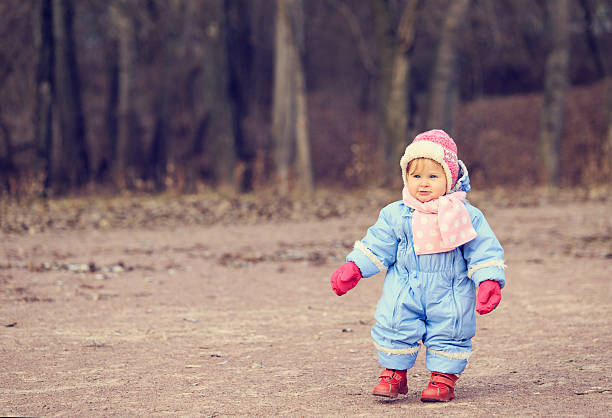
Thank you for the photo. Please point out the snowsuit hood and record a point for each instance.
(463, 180)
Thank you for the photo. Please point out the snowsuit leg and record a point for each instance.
(433, 308)
(399, 324)
(450, 324)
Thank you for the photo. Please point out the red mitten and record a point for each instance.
(345, 278)
(489, 296)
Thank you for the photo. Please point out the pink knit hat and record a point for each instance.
(438, 146)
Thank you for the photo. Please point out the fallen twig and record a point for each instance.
(594, 390)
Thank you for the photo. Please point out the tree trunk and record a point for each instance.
(443, 90)
(397, 109)
(74, 168)
(289, 114)
(240, 50)
(165, 42)
(283, 96)
(44, 97)
(109, 154)
(304, 163)
(220, 139)
(555, 86)
(159, 148)
(8, 171)
(260, 81)
(123, 28)
(385, 42)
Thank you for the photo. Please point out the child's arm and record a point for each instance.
(378, 249)
(485, 262)
(484, 254)
(374, 253)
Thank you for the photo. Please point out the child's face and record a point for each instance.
(426, 179)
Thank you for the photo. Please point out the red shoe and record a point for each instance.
(392, 382)
(441, 388)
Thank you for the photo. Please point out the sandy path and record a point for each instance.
(240, 320)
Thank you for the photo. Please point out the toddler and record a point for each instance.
(437, 250)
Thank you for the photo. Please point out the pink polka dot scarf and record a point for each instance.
(439, 225)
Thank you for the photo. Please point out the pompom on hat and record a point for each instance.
(436, 145)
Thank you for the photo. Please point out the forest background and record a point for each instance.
(241, 96)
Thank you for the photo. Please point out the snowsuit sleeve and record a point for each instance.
(484, 254)
(378, 249)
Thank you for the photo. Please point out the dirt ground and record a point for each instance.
(240, 320)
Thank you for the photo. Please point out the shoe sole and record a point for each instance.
(385, 395)
(436, 400)
(389, 395)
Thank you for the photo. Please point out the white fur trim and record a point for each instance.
(455, 355)
(490, 263)
(361, 247)
(398, 351)
(426, 149)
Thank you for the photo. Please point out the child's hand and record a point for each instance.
(345, 278)
(489, 296)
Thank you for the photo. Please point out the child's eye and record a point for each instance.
(433, 176)
(416, 176)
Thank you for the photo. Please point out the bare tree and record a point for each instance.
(241, 56)
(122, 29)
(43, 133)
(555, 86)
(443, 86)
(107, 160)
(289, 114)
(159, 148)
(383, 33)
(74, 166)
(7, 165)
(394, 48)
(165, 41)
(397, 109)
(220, 139)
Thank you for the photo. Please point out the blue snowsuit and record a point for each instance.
(431, 297)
